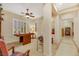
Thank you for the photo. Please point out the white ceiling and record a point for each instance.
(36, 8)
(61, 6)
(17, 8)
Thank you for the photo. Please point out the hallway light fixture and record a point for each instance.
(28, 14)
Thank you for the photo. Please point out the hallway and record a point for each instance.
(67, 48)
(43, 29)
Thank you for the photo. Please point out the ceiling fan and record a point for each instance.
(28, 14)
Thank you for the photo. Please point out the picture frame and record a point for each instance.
(67, 31)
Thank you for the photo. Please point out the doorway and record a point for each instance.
(67, 28)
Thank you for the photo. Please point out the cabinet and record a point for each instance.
(25, 38)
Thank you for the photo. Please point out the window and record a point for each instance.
(19, 26)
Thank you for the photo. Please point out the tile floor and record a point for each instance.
(67, 48)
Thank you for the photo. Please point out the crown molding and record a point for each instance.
(69, 10)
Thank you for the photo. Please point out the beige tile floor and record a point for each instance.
(54, 48)
(67, 48)
(34, 50)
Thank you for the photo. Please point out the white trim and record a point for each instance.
(69, 10)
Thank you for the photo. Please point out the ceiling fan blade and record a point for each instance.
(32, 16)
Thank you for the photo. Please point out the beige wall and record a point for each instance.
(7, 26)
(76, 29)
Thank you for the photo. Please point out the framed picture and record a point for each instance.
(67, 31)
(62, 30)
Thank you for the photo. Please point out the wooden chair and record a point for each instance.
(4, 50)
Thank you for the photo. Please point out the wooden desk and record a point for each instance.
(25, 38)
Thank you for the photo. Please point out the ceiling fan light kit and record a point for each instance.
(28, 14)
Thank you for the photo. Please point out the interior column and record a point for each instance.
(57, 29)
(47, 21)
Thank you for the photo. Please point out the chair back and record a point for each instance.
(3, 49)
